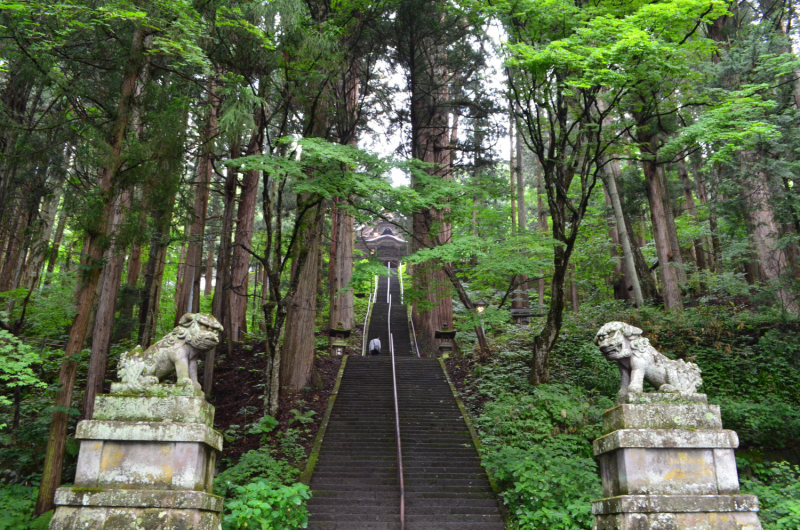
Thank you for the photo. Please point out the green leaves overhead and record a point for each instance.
(174, 26)
(605, 46)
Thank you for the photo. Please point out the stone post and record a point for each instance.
(146, 462)
(667, 464)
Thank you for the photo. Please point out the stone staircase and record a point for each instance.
(355, 482)
(378, 324)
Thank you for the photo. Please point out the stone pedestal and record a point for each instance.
(145, 463)
(667, 464)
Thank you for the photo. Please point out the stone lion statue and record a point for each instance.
(638, 361)
(176, 352)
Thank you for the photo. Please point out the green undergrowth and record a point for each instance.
(16, 505)
(537, 440)
(261, 491)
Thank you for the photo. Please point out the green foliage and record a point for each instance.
(259, 463)
(267, 505)
(544, 489)
(520, 415)
(16, 369)
(265, 425)
(778, 488)
(16, 506)
(537, 444)
(289, 442)
(303, 418)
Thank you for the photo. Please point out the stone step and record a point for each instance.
(355, 481)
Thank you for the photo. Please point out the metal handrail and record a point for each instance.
(411, 319)
(400, 273)
(388, 280)
(374, 293)
(397, 425)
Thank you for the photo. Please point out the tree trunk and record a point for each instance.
(543, 343)
(179, 278)
(128, 296)
(611, 170)
(340, 269)
(56, 246)
(483, 344)
(13, 251)
(511, 167)
(520, 299)
(430, 142)
(542, 221)
(691, 207)
(221, 304)
(106, 310)
(240, 264)
(643, 270)
(764, 230)
(84, 295)
(620, 285)
(190, 290)
(42, 249)
(298, 341)
(677, 255)
(669, 277)
(148, 305)
(209, 288)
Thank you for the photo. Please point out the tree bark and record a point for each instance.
(511, 168)
(611, 172)
(298, 340)
(240, 264)
(190, 290)
(128, 296)
(221, 304)
(148, 305)
(209, 288)
(573, 290)
(56, 246)
(430, 142)
(764, 230)
(691, 207)
(669, 277)
(340, 269)
(677, 255)
(542, 222)
(14, 249)
(483, 344)
(106, 309)
(520, 299)
(179, 277)
(84, 296)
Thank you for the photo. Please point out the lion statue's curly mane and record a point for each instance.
(638, 361)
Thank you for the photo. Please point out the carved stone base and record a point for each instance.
(667, 464)
(113, 518)
(139, 470)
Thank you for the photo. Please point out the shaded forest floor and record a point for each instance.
(238, 398)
